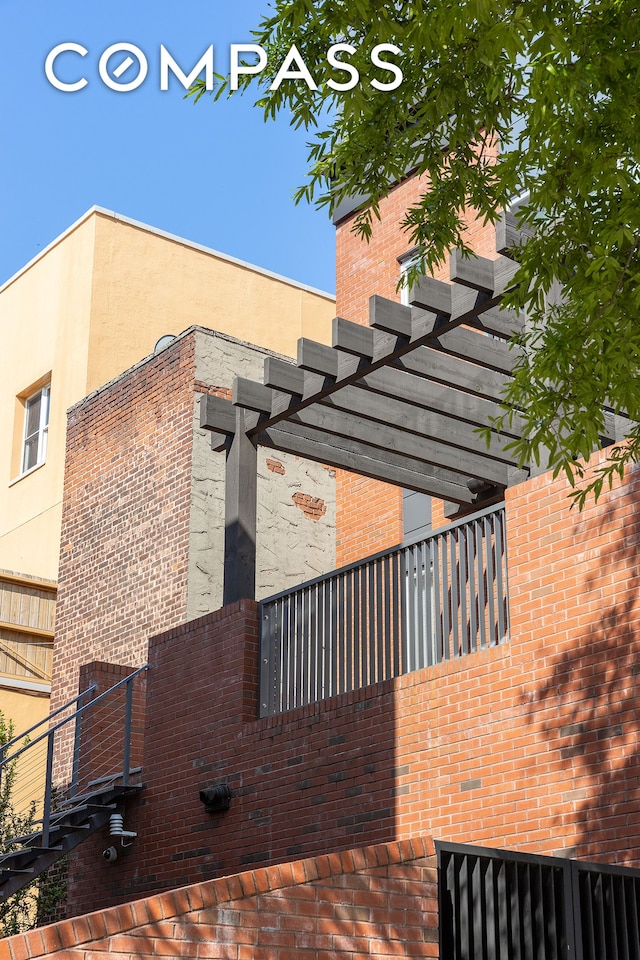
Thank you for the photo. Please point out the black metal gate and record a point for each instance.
(500, 905)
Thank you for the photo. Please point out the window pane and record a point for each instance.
(30, 453)
(33, 415)
(36, 423)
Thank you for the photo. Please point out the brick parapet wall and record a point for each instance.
(375, 901)
(531, 745)
(369, 513)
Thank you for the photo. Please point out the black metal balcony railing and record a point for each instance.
(398, 611)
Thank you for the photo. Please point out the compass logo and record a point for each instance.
(244, 59)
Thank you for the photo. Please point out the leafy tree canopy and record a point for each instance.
(557, 84)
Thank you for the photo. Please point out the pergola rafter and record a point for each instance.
(400, 400)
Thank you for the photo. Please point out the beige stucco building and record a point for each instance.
(96, 301)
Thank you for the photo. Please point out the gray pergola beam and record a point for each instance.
(501, 323)
(480, 273)
(448, 299)
(377, 468)
(403, 385)
(332, 421)
(478, 348)
(356, 443)
(317, 358)
(402, 417)
(389, 316)
(241, 473)
(217, 414)
(461, 374)
(251, 395)
(283, 376)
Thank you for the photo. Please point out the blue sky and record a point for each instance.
(213, 173)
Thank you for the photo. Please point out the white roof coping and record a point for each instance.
(174, 238)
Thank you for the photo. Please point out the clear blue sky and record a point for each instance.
(213, 173)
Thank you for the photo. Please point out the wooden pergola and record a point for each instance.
(400, 400)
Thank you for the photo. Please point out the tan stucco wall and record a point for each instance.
(44, 329)
(22, 707)
(146, 285)
(93, 304)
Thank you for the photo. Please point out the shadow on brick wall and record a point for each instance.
(590, 697)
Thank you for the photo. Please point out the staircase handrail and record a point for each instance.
(49, 736)
(73, 716)
(20, 738)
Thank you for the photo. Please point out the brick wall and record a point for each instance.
(379, 901)
(369, 513)
(532, 745)
(125, 522)
(142, 546)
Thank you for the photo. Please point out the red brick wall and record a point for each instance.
(125, 521)
(378, 901)
(369, 513)
(532, 745)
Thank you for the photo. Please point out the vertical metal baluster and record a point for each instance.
(126, 752)
(387, 590)
(426, 658)
(437, 600)
(404, 611)
(341, 639)
(314, 645)
(455, 604)
(371, 640)
(446, 625)
(430, 604)
(357, 630)
(291, 643)
(473, 595)
(489, 543)
(349, 633)
(330, 659)
(482, 605)
(464, 589)
(396, 619)
(48, 789)
(500, 585)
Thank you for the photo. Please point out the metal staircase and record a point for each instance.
(100, 730)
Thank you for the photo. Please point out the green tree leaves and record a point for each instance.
(557, 85)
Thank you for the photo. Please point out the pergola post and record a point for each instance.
(240, 515)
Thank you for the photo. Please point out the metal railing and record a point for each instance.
(395, 612)
(501, 905)
(34, 751)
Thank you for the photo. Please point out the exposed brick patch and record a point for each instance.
(312, 507)
(199, 386)
(275, 466)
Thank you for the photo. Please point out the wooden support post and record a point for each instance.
(240, 515)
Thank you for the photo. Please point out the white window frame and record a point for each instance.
(42, 431)
(406, 261)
